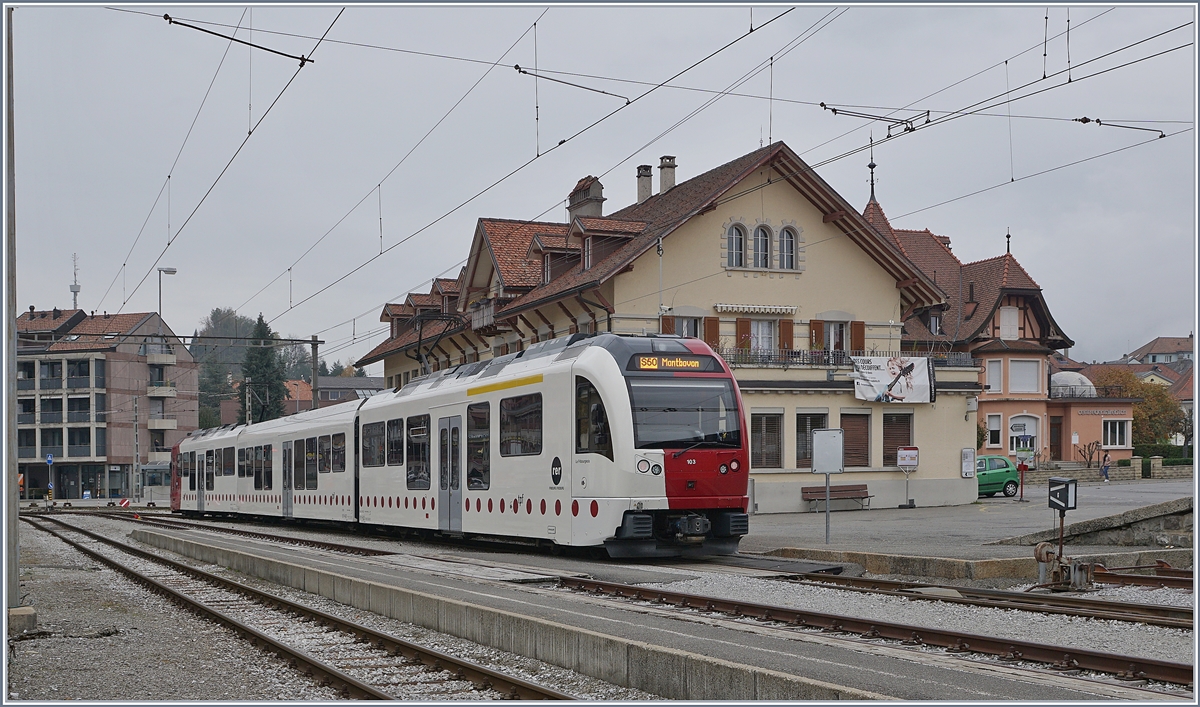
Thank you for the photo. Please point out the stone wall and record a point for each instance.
(1163, 524)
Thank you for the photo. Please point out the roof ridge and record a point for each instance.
(524, 222)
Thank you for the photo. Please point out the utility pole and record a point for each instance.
(137, 454)
(249, 410)
(316, 369)
(11, 504)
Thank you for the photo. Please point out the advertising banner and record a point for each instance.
(894, 379)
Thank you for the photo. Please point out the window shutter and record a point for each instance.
(666, 325)
(816, 335)
(743, 333)
(785, 334)
(712, 331)
(897, 432)
(856, 438)
(858, 336)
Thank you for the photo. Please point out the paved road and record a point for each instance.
(955, 531)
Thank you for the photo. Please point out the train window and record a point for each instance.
(258, 468)
(455, 458)
(591, 421)
(323, 449)
(286, 476)
(241, 462)
(298, 465)
(338, 455)
(372, 444)
(182, 464)
(395, 442)
(268, 476)
(209, 469)
(310, 463)
(228, 457)
(218, 460)
(191, 471)
(521, 425)
(417, 475)
(479, 446)
(443, 457)
(684, 412)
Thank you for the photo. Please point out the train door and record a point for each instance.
(357, 450)
(204, 461)
(450, 474)
(286, 497)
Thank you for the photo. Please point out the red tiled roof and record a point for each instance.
(1002, 345)
(298, 389)
(406, 339)
(1181, 390)
(1141, 370)
(613, 226)
(393, 310)
(1164, 345)
(30, 322)
(92, 331)
(424, 299)
(509, 242)
(446, 285)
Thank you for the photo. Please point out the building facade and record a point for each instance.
(758, 257)
(101, 400)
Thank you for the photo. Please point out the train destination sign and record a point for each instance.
(672, 362)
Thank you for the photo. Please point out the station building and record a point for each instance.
(105, 397)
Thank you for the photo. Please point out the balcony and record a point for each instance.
(156, 457)
(161, 389)
(1086, 391)
(159, 421)
(51, 417)
(79, 416)
(483, 318)
(79, 382)
(25, 418)
(55, 450)
(50, 383)
(27, 452)
(787, 358)
(25, 384)
(79, 450)
(160, 359)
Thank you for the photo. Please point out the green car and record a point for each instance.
(996, 475)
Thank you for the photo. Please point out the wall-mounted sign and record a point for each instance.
(1103, 412)
(895, 379)
(968, 462)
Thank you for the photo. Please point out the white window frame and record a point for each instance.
(787, 249)
(1012, 436)
(763, 334)
(587, 253)
(1010, 330)
(762, 247)
(735, 246)
(843, 329)
(998, 429)
(546, 268)
(1126, 424)
(1037, 376)
(996, 366)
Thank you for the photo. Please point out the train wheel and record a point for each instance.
(556, 549)
(598, 553)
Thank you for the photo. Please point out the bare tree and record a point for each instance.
(1087, 452)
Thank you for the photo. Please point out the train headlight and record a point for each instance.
(724, 469)
(734, 465)
(643, 465)
(656, 470)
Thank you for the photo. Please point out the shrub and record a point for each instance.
(1166, 451)
(1124, 462)
(1177, 462)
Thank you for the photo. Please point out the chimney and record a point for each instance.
(586, 199)
(666, 174)
(645, 188)
(971, 291)
(56, 313)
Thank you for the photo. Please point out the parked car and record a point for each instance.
(996, 475)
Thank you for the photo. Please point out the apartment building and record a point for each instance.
(101, 399)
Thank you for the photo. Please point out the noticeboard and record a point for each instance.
(968, 463)
(828, 452)
(907, 457)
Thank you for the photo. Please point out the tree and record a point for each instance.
(296, 361)
(360, 372)
(980, 436)
(1087, 452)
(215, 386)
(1156, 416)
(336, 370)
(322, 367)
(264, 371)
(208, 347)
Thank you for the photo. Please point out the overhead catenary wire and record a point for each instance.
(226, 167)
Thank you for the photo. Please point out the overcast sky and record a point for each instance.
(109, 102)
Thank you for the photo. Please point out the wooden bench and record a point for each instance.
(851, 492)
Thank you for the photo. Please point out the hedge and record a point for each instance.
(1124, 462)
(1177, 462)
(1166, 451)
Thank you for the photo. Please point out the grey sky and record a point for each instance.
(105, 98)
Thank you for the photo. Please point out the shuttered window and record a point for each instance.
(805, 424)
(766, 441)
(897, 432)
(856, 440)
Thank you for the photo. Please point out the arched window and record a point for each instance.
(736, 247)
(762, 247)
(787, 249)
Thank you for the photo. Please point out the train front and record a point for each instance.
(688, 429)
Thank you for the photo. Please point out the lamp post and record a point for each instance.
(161, 272)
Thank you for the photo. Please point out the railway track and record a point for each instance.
(1164, 575)
(362, 662)
(1158, 615)
(1125, 668)
(302, 542)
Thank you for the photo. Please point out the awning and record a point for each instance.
(755, 308)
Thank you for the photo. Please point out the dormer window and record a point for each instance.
(587, 253)
(935, 323)
(546, 269)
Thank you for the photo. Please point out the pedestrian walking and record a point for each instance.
(1104, 464)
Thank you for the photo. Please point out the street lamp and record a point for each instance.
(161, 272)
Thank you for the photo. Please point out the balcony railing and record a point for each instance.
(79, 382)
(52, 417)
(25, 384)
(27, 452)
(25, 418)
(1086, 391)
(50, 383)
(101, 448)
(55, 450)
(786, 358)
(79, 416)
(79, 450)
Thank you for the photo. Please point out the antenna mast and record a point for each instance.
(75, 285)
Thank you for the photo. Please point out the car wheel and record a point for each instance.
(1010, 489)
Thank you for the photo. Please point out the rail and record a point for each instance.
(738, 357)
(1086, 391)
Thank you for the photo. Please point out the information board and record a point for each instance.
(827, 452)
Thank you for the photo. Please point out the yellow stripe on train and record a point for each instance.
(515, 383)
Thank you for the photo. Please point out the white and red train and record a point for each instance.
(635, 444)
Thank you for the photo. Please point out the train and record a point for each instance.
(634, 445)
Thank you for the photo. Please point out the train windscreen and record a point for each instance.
(684, 412)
